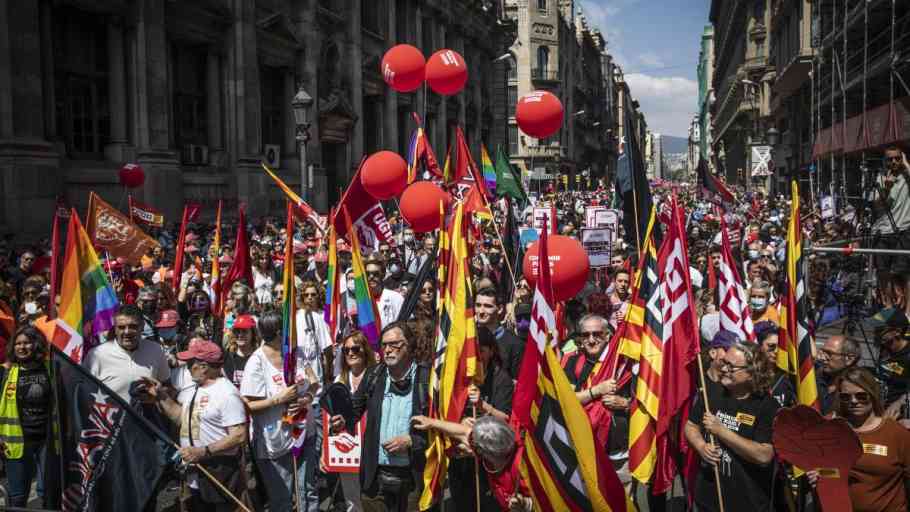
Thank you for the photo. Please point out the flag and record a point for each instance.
(735, 315)
(55, 266)
(489, 172)
(562, 463)
(194, 210)
(633, 188)
(87, 300)
(113, 232)
(475, 203)
(419, 150)
(181, 247)
(712, 188)
(303, 210)
(288, 305)
(332, 309)
(217, 306)
(465, 166)
(144, 214)
(242, 267)
(447, 166)
(455, 357)
(112, 457)
(367, 316)
(507, 181)
(367, 215)
(794, 354)
(411, 299)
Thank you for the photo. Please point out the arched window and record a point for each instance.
(543, 60)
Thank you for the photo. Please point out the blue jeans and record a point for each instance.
(21, 472)
(308, 465)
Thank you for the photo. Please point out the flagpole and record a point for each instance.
(704, 392)
(476, 464)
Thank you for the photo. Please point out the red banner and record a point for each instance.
(144, 214)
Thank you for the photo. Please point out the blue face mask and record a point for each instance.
(758, 303)
(167, 333)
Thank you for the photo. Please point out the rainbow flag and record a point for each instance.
(367, 316)
(332, 297)
(288, 306)
(87, 299)
(489, 171)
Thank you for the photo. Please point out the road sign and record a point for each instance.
(761, 161)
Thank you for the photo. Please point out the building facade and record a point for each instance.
(706, 98)
(198, 92)
(741, 83)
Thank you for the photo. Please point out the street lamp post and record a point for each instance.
(301, 105)
(772, 136)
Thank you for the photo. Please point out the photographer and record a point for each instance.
(891, 202)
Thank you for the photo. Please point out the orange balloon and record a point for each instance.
(446, 72)
(539, 114)
(384, 175)
(420, 205)
(402, 68)
(569, 265)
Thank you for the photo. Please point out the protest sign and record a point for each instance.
(598, 243)
(341, 452)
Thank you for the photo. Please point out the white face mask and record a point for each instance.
(758, 303)
(31, 308)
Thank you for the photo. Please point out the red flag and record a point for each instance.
(181, 246)
(242, 268)
(144, 214)
(194, 209)
(465, 166)
(367, 216)
(735, 315)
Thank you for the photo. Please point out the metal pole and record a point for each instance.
(850, 250)
(303, 170)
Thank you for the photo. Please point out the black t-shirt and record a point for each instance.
(745, 486)
(895, 375)
(578, 371)
(233, 367)
(33, 396)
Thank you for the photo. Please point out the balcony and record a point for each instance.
(545, 75)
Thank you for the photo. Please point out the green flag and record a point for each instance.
(507, 180)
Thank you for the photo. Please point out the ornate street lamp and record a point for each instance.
(301, 105)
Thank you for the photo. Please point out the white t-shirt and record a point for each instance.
(182, 382)
(118, 368)
(311, 342)
(261, 380)
(214, 408)
(389, 305)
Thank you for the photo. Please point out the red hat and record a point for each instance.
(203, 350)
(169, 318)
(244, 322)
(226, 258)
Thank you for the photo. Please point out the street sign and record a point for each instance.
(761, 161)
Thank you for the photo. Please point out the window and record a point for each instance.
(372, 124)
(542, 6)
(513, 139)
(511, 69)
(402, 27)
(274, 105)
(189, 95)
(81, 83)
(513, 99)
(543, 60)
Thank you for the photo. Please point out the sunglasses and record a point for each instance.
(355, 350)
(374, 274)
(394, 345)
(861, 397)
(591, 334)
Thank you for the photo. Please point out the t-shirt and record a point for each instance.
(234, 364)
(33, 397)
(261, 380)
(118, 368)
(745, 486)
(899, 204)
(214, 408)
(877, 478)
(312, 339)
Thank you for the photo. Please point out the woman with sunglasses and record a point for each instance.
(356, 358)
(878, 479)
(739, 417)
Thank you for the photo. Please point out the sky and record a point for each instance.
(656, 42)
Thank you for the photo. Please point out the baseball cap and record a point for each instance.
(203, 350)
(244, 322)
(169, 318)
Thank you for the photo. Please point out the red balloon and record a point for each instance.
(402, 68)
(385, 174)
(539, 114)
(446, 72)
(131, 176)
(569, 265)
(420, 205)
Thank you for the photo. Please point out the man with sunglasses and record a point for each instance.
(392, 460)
(388, 302)
(891, 201)
(837, 355)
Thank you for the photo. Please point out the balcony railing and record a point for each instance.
(545, 74)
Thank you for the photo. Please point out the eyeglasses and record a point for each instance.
(356, 350)
(731, 368)
(591, 334)
(374, 273)
(393, 344)
(309, 294)
(830, 353)
(861, 397)
(893, 159)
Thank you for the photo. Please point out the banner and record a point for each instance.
(367, 216)
(145, 214)
(113, 232)
(341, 452)
(544, 215)
(598, 243)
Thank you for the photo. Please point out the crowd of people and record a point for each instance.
(216, 382)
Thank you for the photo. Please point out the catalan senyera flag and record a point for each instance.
(304, 210)
(563, 464)
(367, 316)
(455, 360)
(489, 172)
(217, 306)
(87, 299)
(332, 307)
(794, 354)
(288, 304)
